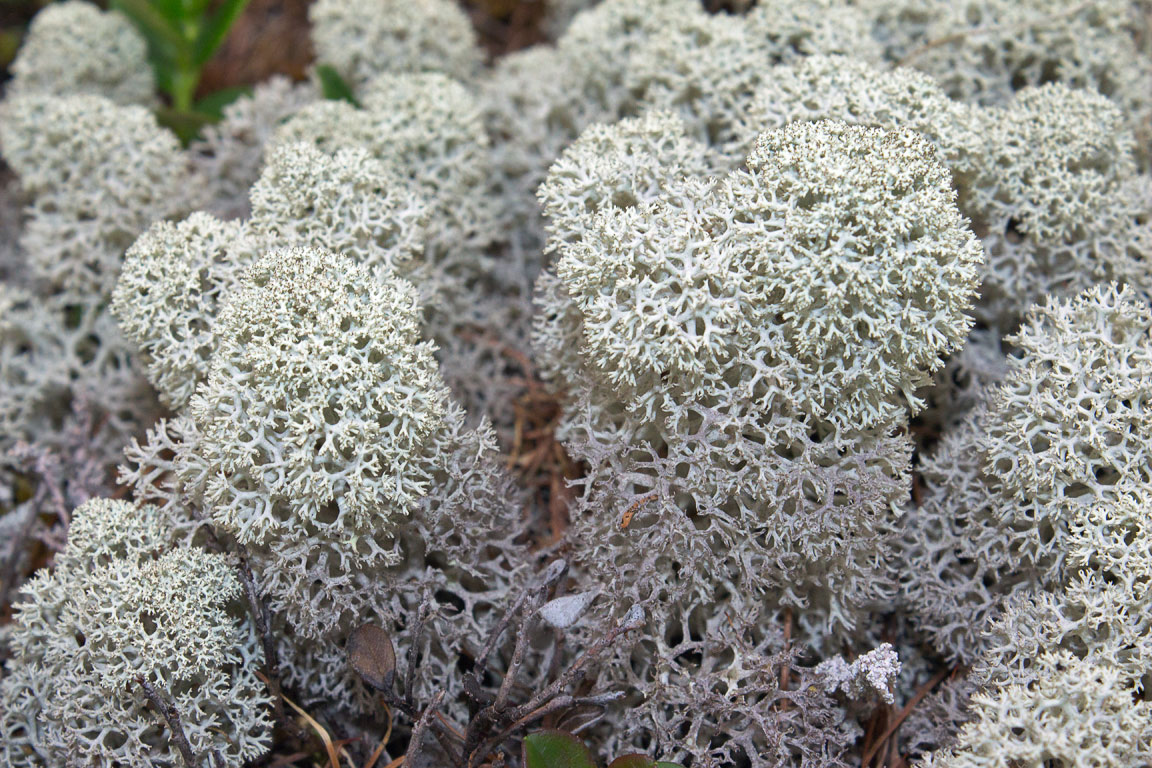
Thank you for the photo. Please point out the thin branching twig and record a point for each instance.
(167, 710)
(416, 743)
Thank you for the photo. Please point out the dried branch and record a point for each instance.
(259, 612)
(923, 691)
(10, 573)
(171, 715)
(415, 744)
(422, 614)
(558, 704)
(550, 700)
(260, 617)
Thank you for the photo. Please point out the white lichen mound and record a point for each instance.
(985, 50)
(428, 128)
(618, 166)
(33, 367)
(1057, 200)
(850, 236)
(1066, 431)
(878, 267)
(97, 174)
(708, 68)
(539, 100)
(861, 93)
(348, 201)
(362, 39)
(1064, 671)
(229, 154)
(123, 606)
(1075, 713)
(176, 276)
(73, 47)
(1049, 180)
(737, 354)
(346, 472)
(174, 279)
(320, 405)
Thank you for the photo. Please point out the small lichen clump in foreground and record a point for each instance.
(120, 611)
(324, 441)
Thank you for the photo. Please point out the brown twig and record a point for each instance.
(171, 715)
(549, 699)
(321, 731)
(923, 691)
(422, 614)
(786, 667)
(416, 742)
(259, 612)
(8, 576)
(260, 617)
(558, 704)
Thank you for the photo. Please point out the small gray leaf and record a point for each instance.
(563, 612)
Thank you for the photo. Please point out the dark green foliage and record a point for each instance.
(182, 36)
(559, 749)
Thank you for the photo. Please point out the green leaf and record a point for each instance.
(9, 44)
(172, 10)
(333, 86)
(213, 32)
(160, 32)
(640, 761)
(213, 104)
(632, 761)
(185, 124)
(194, 8)
(556, 749)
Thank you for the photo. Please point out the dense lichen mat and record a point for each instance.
(755, 386)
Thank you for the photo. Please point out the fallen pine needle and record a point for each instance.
(333, 757)
(383, 742)
(920, 694)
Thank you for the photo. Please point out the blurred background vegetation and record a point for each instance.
(271, 36)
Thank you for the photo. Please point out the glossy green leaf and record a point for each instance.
(632, 761)
(333, 86)
(185, 124)
(214, 103)
(640, 761)
(556, 749)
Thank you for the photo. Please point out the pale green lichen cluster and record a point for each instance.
(1064, 431)
(361, 39)
(737, 354)
(843, 305)
(324, 441)
(121, 609)
(73, 47)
